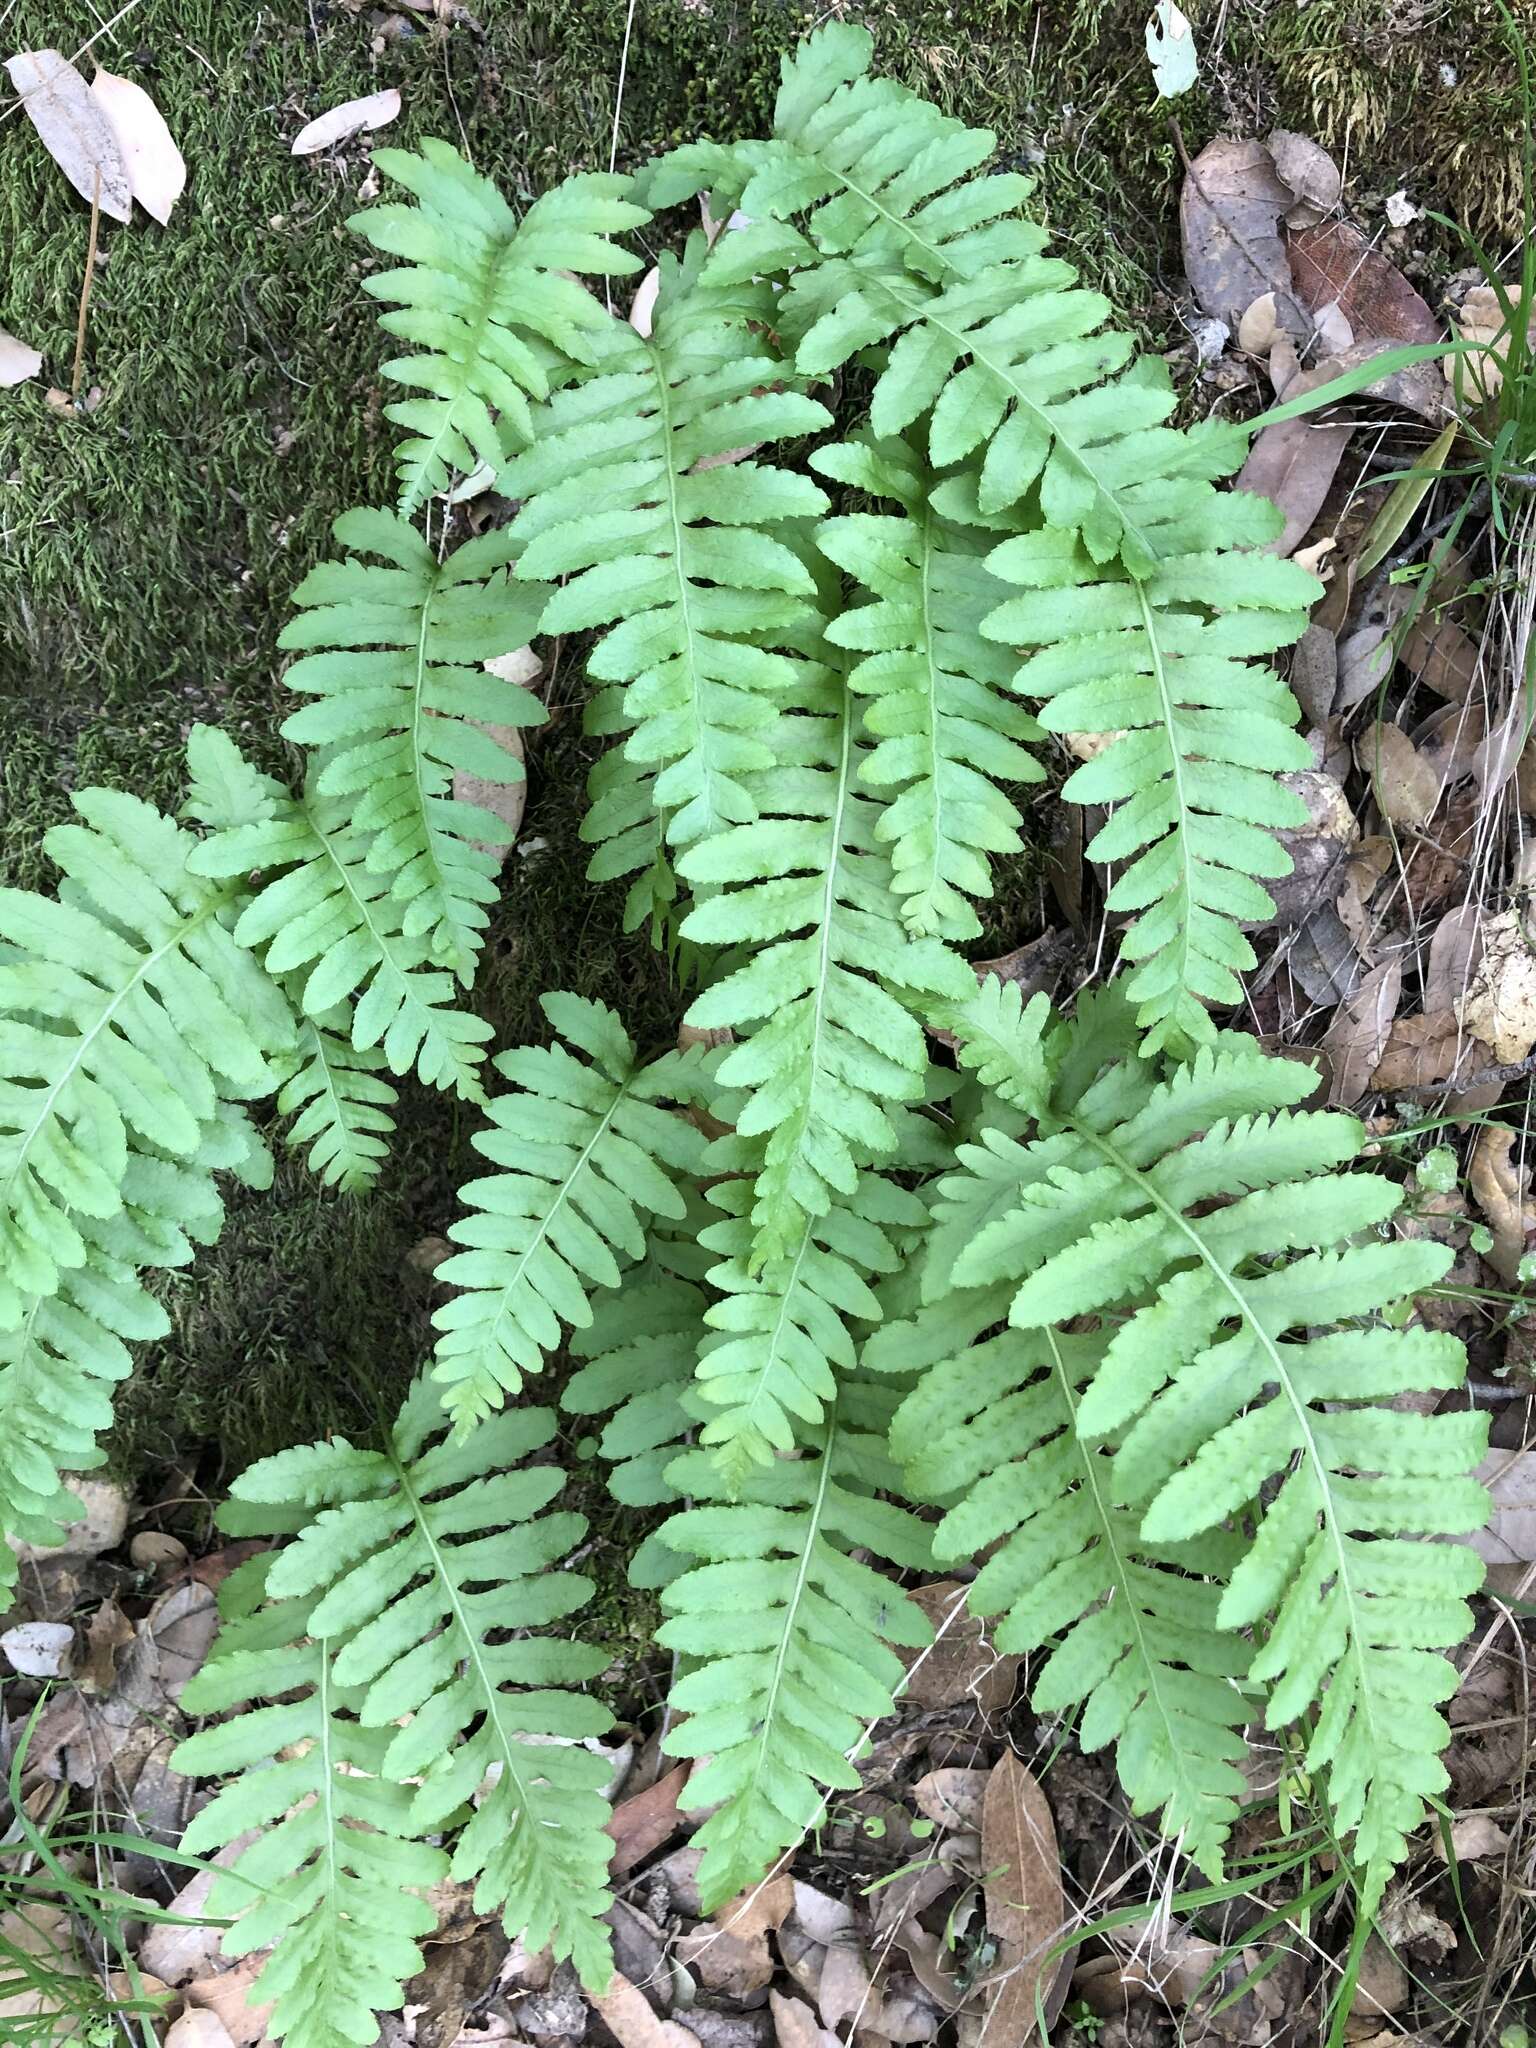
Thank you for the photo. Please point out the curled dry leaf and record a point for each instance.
(640, 1825)
(1475, 1838)
(373, 110)
(1026, 1909)
(74, 128)
(1257, 329)
(729, 1952)
(642, 308)
(17, 361)
(1229, 215)
(1405, 785)
(1499, 1180)
(157, 172)
(1310, 174)
(228, 1995)
(1432, 1051)
(629, 2017)
(1499, 1004)
(1357, 1037)
(1318, 849)
(1335, 264)
(796, 2026)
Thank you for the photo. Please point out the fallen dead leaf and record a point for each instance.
(629, 2017)
(1292, 465)
(953, 1797)
(1483, 322)
(1314, 673)
(41, 1931)
(109, 1632)
(504, 800)
(1507, 1541)
(1357, 1036)
(1419, 387)
(1476, 1837)
(1318, 849)
(796, 2026)
(1229, 214)
(1335, 264)
(17, 361)
(729, 1952)
(1406, 786)
(1499, 1182)
(961, 1663)
(1455, 954)
(40, 1649)
(642, 307)
(1431, 1051)
(157, 172)
(1381, 1988)
(1025, 1905)
(1260, 324)
(1439, 653)
(75, 131)
(372, 110)
(1309, 173)
(640, 1825)
(1499, 1005)
(227, 1994)
(198, 2028)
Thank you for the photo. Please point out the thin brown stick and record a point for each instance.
(85, 290)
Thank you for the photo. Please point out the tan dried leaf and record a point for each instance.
(962, 1662)
(1336, 262)
(1475, 1838)
(17, 361)
(75, 131)
(1499, 1005)
(372, 110)
(796, 2026)
(1499, 1181)
(730, 1952)
(1229, 215)
(199, 2028)
(1026, 1908)
(1483, 322)
(1260, 324)
(953, 1797)
(1310, 173)
(227, 1994)
(1405, 784)
(1431, 1051)
(1357, 1036)
(1439, 653)
(1292, 465)
(157, 172)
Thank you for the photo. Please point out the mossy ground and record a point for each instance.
(147, 547)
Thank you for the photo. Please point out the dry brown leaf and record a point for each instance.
(1334, 333)
(1362, 872)
(1499, 1004)
(1431, 1051)
(729, 1952)
(1357, 1037)
(102, 1525)
(1483, 322)
(1405, 784)
(1318, 849)
(1165, 1958)
(633, 2023)
(1381, 1988)
(1229, 214)
(1455, 954)
(1309, 172)
(1314, 673)
(504, 800)
(1292, 465)
(199, 2028)
(796, 2026)
(17, 361)
(1439, 653)
(109, 1632)
(1499, 1181)
(372, 110)
(1335, 264)
(75, 131)
(640, 1825)
(40, 1930)
(1419, 387)
(226, 1995)
(962, 1663)
(1025, 1905)
(953, 1797)
(1509, 1536)
(157, 172)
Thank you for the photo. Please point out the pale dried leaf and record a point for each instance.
(17, 361)
(1439, 653)
(227, 1995)
(1310, 174)
(157, 172)
(1483, 322)
(1499, 1178)
(1476, 1837)
(109, 1632)
(632, 2022)
(642, 307)
(1259, 325)
(1292, 465)
(199, 2028)
(1455, 954)
(730, 1952)
(102, 1525)
(372, 110)
(1427, 1052)
(952, 1797)
(1229, 214)
(796, 2026)
(1026, 1909)
(1357, 1037)
(1405, 784)
(1419, 387)
(1382, 1986)
(74, 130)
(40, 1649)
(1334, 333)
(1509, 1536)
(1499, 1005)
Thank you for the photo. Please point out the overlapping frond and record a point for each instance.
(787, 1638)
(1206, 1218)
(340, 1103)
(1198, 733)
(947, 733)
(831, 983)
(129, 1014)
(675, 554)
(327, 920)
(585, 1154)
(394, 654)
(485, 303)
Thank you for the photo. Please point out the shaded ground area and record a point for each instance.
(147, 548)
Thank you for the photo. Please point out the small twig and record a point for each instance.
(85, 290)
(1485, 1077)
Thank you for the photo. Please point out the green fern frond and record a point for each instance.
(585, 1156)
(340, 1103)
(946, 733)
(993, 1428)
(422, 1566)
(788, 1639)
(129, 1013)
(330, 921)
(785, 1340)
(1203, 732)
(401, 697)
(831, 980)
(483, 300)
(1205, 1215)
(675, 554)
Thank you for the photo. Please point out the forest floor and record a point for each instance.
(149, 541)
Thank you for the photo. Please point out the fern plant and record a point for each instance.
(1097, 1295)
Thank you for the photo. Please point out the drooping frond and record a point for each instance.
(675, 554)
(946, 732)
(785, 1341)
(340, 1102)
(1203, 733)
(1239, 1268)
(394, 662)
(422, 1566)
(330, 922)
(68, 1348)
(483, 300)
(899, 243)
(334, 1881)
(993, 1428)
(129, 1013)
(584, 1155)
(787, 1638)
(830, 980)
